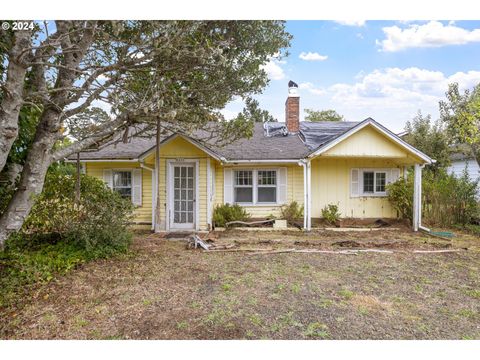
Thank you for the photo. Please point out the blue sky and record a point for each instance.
(387, 70)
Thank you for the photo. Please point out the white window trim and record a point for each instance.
(131, 180)
(375, 171)
(255, 186)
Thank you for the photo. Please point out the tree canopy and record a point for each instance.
(253, 112)
(429, 138)
(461, 114)
(323, 115)
(93, 78)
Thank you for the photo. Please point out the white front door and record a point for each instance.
(182, 196)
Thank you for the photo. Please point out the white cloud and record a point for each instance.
(431, 34)
(312, 56)
(274, 70)
(311, 88)
(391, 96)
(351, 22)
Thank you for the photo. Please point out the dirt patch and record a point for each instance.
(161, 290)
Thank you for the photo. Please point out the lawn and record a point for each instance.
(161, 290)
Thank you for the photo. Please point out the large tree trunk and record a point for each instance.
(32, 179)
(12, 98)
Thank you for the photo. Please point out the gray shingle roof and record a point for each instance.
(319, 133)
(277, 146)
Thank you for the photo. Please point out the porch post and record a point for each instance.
(305, 195)
(417, 197)
(309, 195)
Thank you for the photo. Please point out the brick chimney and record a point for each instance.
(292, 108)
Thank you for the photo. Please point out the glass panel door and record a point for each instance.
(183, 196)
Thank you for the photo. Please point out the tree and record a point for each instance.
(253, 112)
(178, 72)
(461, 114)
(323, 115)
(430, 138)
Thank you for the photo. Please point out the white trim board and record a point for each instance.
(188, 139)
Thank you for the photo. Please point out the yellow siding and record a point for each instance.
(142, 214)
(367, 142)
(294, 188)
(331, 185)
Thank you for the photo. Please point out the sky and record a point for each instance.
(387, 70)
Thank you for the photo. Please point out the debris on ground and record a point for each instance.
(249, 223)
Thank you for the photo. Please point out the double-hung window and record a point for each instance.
(243, 187)
(122, 183)
(255, 187)
(374, 182)
(266, 186)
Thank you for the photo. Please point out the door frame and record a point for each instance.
(169, 196)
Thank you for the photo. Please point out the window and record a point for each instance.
(255, 186)
(374, 182)
(368, 179)
(267, 186)
(243, 186)
(122, 183)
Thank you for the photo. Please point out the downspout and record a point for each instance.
(306, 193)
(143, 166)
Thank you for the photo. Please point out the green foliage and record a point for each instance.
(461, 114)
(223, 214)
(331, 214)
(429, 138)
(292, 212)
(323, 115)
(447, 200)
(59, 234)
(97, 223)
(253, 112)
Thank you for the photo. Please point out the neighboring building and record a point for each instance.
(315, 164)
(461, 161)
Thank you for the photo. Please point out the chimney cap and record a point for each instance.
(292, 84)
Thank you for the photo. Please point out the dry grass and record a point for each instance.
(163, 291)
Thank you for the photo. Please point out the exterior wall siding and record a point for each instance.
(331, 185)
(142, 214)
(367, 142)
(471, 165)
(294, 188)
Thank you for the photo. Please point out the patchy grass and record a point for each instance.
(163, 291)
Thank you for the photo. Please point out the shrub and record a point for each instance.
(97, 223)
(446, 199)
(223, 214)
(292, 212)
(59, 234)
(330, 213)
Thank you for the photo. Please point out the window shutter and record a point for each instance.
(107, 177)
(282, 186)
(227, 186)
(355, 183)
(137, 187)
(394, 175)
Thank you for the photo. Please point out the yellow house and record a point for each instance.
(313, 163)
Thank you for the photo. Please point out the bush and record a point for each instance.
(97, 223)
(223, 214)
(330, 213)
(446, 199)
(292, 212)
(59, 234)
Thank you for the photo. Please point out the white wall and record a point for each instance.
(457, 167)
